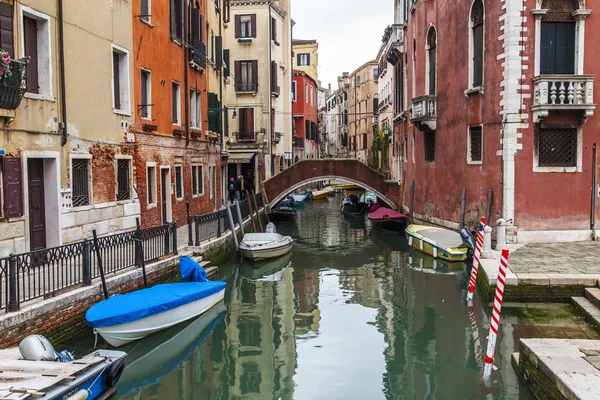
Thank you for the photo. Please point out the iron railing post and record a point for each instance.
(167, 239)
(219, 216)
(87, 266)
(197, 220)
(189, 221)
(137, 238)
(174, 232)
(13, 300)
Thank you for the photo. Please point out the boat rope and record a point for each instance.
(89, 389)
(95, 337)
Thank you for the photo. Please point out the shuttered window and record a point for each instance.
(477, 18)
(245, 26)
(307, 129)
(146, 88)
(177, 19)
(429, 144)
(31, 50)
(246, 76)
(399, 92)
(431, 53)
(214, 114)
(273, 29)
(219, 51)
(175, 103)
(151, 184)
(80, 182)
(116, 81)
(123, 179)
(6, 28)
(197, 180)
(558, 47)
(178, 182)
(246, 120)
(226, 68)
(294, 91)
(12, 182)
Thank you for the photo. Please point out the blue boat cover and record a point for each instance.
(123, 308)
(191, 271)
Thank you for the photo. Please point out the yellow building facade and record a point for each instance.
(363, 96)
(306, 57)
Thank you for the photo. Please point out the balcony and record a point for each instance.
(277, 137)
(564, 93)
(394, 43)
(198, 54)
(244, 137)
(297, 142)
(424, 112)
(246, 87)
(275, 90)
(12, 88)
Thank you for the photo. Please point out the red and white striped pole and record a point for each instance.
(478, 246)
(491, 349)
(476, 338)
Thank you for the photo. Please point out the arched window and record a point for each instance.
(431, 44)
(558, 37)
(477, 17)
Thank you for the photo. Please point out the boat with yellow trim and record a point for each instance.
(320, 194)
(437, 242)
(349, 186)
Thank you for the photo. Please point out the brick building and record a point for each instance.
(177, 156)
(497, 97)
(304, 110)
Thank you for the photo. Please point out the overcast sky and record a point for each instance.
(348, 31)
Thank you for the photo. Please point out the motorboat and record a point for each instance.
(294, 200)
(386, 219)
(427, 264)
(351, 206)
(269, 270)
(350, 186)
(320, 194)
(157, 355)
(283, 213)
(368, 197)
(437, 242)
(36, 370)
(263, 246)
(124, 318)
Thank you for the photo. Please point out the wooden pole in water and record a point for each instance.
(463, 208)
(251, 212)
(260, 224)
(264, 193)
(138, 242)
(100, 267)
(401, 205)
(488, 210)
(412, 199)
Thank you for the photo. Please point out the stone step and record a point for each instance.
(593, 295)
(591, 312)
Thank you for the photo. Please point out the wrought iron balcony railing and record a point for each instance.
(12, 88)
(275, 90)
(563, 92)
(246, 136)
(424, 112)
(297, 142)
(198, 53)
(246, 87)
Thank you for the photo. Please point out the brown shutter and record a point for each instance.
(255, 74)
(238, 26)
(6, 28)
(195, 26)
(144, 94)
(117, 83)
(13, 188)
(273, 74)
(253, 25)
(238, 72)
(227, 70)
(250, 120)
(173, 18)
(31, 50)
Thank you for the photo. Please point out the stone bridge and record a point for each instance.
(350, 170)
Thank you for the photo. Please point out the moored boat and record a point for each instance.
(294, 200)
(427, 264)
(368, 197)
(349, 186)
(124, 318)
(269, 270)
(386, 219)
(355, 209)
(283, 213)
(437, 242)
(35, 370)
(263, 246)
(320, 194)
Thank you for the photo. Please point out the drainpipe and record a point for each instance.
(186, 70)
(270, 137)
(63, 91)
(223, 112)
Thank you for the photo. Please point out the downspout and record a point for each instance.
(186, 71)
(270, 124)
(63, 91)
(223, 110)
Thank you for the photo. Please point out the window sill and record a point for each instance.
(569, 170)
(179, 198)
(81, 208)
(474, 162)
(147, 22)
(36, 96)
(123, 202)
(177, 41)
(245, 40)
(148, 118)
(150, 206)
(121, 112)
(476, 89)
(275, 42)
(197, 195)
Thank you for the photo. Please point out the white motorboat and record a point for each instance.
(263, 246)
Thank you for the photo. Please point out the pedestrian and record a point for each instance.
(232, 189)
(242, 186)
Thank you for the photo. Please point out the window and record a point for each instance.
(245, 26)
(36, 44)
(145, 6)
(246, 122)
(357, 80)
(246, 76)
(306, 92)
(195, 109)
(146, 87)
(307, 129)
(197, 180)
(151, 184)
(273, 29)
(431, 43)
(294, 91)
(6, 28)
(429, 139)
(475, 144)
(376, 73)
(177, 19)
(80, 182)
(211, 181)
(311, 94)
(414, 146)
(557, 49)
(212, 45)
(120, 58)
(123, 179)
(178, 182)
(274, 86)
(556, 147)
(303, 59)
(175, 104)
(477, 17)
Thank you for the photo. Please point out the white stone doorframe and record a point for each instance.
(52, 196)
(169, 193)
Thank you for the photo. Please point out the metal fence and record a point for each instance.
(48, 272)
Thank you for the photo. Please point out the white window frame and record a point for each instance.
(195, 104)
(124, 80)
(306, 93)
(472, 52)
(148, 92)
(414, 145)
(178, 122)
(427, 69)
(469, 153)
(577, 168)
(294, 91)
(211, 183)
(175, 179)
(311, 95)
(303, 58)
(147, 20)
(199, 185)
(44, 42)
(154, 191)
(131, 188)
(83, 156)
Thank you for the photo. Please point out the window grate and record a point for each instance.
(178, 182)
(429, 139)
(476, 139)
(556, 147)
(123, 186)
(80, 181)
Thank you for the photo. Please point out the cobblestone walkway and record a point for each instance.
(559, 258)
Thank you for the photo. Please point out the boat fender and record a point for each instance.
(114, 372)
(421, 244)
(80, 395)
(435, 252)
(410, 240)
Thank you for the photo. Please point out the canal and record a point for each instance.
(349, 314)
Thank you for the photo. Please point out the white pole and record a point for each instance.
(475, 268)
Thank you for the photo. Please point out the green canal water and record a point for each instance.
(349, 314)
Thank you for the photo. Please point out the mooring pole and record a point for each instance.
(138, 241)
(488, 210)
(594, 193)
(250, 209)
(100, 267)
(412, 199)
(232, 224)
(264, 193)
(239, 215)
(260, 224)
(463, 208)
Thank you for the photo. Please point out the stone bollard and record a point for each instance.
(486, 251)
(501, 234)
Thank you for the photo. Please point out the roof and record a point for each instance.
(372, 62)
(297, 72)
(304, 41)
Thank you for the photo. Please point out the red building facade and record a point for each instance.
(304, 108)
(177, 162)
(502, 113)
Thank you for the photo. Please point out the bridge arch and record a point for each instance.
(353, 171)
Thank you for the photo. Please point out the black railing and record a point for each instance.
(48, 272)
(275, 90)
(246, 87)
(298, 142)
(198, 53)
(246, 136)
(12, 88)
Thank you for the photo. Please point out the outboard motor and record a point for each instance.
(37, 348)
(271, 228)
(469, 241)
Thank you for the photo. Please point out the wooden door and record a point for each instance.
(37, 206)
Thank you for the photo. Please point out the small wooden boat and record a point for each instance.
(386, 219)
(283, 213)
(269, 270)
(263, 246)
(320, 194)
(294, 200)
(368, 197)
(355, 209)
(124, 318)
(24, 377)
(349, 186)
(437, 242)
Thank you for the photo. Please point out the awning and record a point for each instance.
(240, 158)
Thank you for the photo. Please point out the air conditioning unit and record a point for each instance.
(282, 64)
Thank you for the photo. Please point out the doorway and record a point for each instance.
(165, 189)
(37, 204)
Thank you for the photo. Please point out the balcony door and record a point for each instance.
(558, 48)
